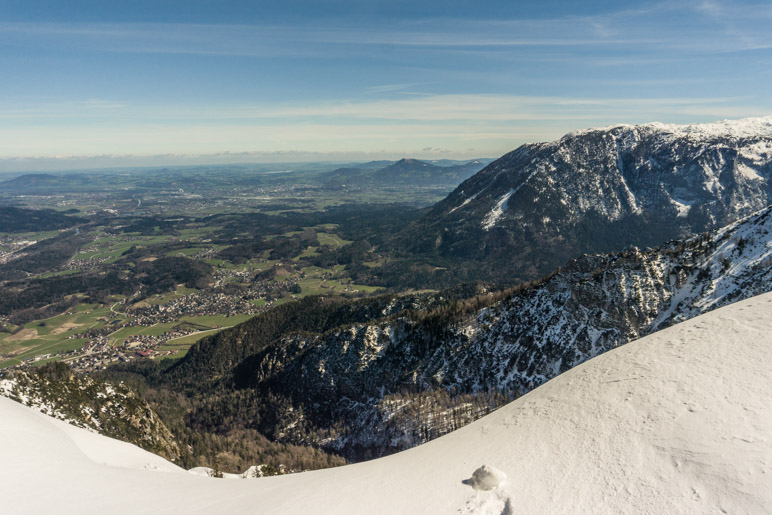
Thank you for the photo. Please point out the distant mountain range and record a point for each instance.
(595, 191)
(406, 172)
(403, 173)
(40, 181)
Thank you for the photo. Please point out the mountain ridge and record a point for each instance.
(595, 191)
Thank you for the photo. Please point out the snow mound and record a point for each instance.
(676, 422)
(487, 478)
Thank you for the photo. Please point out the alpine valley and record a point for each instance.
(380, 375)
(546, 258)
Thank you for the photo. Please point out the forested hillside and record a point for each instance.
(375, 376)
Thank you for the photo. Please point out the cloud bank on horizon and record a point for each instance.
(98, 84)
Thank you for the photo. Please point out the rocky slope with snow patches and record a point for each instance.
(600, 302)
(390, 383)
(596, 191)
(676, 422)
(113, 410)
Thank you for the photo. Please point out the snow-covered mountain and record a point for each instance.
(596, 191)
(390, 382)
(676, 422)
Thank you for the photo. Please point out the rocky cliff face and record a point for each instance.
(596, 191)
(392, 382)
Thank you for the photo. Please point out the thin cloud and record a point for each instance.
(431, 108)
(492, 124)
(624, 27)
(389, 88)
(467, 108)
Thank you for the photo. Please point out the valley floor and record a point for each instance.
(676, 422)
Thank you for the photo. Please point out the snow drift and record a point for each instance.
(676, 422)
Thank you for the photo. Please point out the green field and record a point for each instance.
(42, 346)
(118, 337)
(36, 236)
(190, 251)
(181, 345)
(157, 300)
(49, 336)
(308, 252)
(112, 248)
(331, 239)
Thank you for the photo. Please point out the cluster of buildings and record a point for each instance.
(193, 304)
(11, 249)
(95, 354)
(208, 303)
(98, 352)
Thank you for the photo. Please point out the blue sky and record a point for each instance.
(96, 83)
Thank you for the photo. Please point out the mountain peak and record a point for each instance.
(410, 162)
(760, 127)
(406, 172)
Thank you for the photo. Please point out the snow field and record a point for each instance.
(676, 422)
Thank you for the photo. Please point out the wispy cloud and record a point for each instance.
(492, 124)
(389, 88)
(651, 26)
(249, 39)
(467, 108)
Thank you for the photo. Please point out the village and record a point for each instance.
(102, 348)
(11, 248)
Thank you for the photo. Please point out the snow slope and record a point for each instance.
(676, 422)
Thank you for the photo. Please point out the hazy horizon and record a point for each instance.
(101, 85)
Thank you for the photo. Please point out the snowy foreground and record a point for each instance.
(677, 422)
